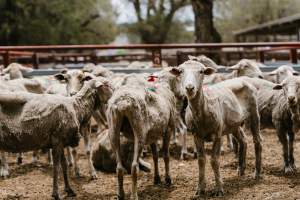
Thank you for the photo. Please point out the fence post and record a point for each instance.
(156, 57)
(179, 57)
(293, 56)
(6, 58)
(35, 60)
(261, 56)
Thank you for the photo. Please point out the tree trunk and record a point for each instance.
(204, 25)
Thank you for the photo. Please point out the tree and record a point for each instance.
(155, 18)
(204, 25)
(56, 22)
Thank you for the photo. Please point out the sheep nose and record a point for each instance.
(291, 99)
(72, 93)
(189, 88)
(261, 77)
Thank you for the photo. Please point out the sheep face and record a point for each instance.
(74, 80)
(247, 68)
(282, 72)
(291, 88)
(105, 89)
(191, 74)
(173, 81)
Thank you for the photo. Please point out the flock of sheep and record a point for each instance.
(131, 111)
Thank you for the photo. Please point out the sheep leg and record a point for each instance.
(87, 145)
(201, 165)
(4, 170)
(285, 148)
(138, 146)
(183, 133)
(70, 158)
(114, 135)
(75, 157)
(229, 142)
(166, 154)
(157, 180)
(68, 189)
(216, 152)
(240, 136)
(56, 153)
(50, 158)
(19, 158)
(291, 135)
(255, 131)
(35, 156)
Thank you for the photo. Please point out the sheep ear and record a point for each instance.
(87, 77)
(25, 69)
(277, 87)
(273, 73)
(175, 71)
(98, 84)
(235, 67)
(209, 70)
(192, 57)
(64, 71)
(296, 73)
(60, 77)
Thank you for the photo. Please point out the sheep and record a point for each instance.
(143, 114)
(24, 115)
(17, 85)
(279, 74)
(244, 67)
(279, 108)
(105, 160)
(217, 110)
(97, 70)
(16, 71)
(171, 80)
(74, 81)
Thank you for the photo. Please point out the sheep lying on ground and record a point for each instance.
(24, 115)
(104, 158)
(212, 112)
(144, 115)
(279, 74)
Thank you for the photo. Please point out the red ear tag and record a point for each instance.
(151, 78)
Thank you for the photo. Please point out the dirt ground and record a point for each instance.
(34, 181)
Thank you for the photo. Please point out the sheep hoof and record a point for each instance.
(218, 193)
(241, 171)
(120, 196)
(199, 193)
(77, 174)
(70, 192)
(94, 176)
(4, 172)
(168, 181)
(157, 180)
(289, 170)
(55, 197)
(195, 155)
(19, 160)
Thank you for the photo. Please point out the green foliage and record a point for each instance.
(56, 22)
(232, 15)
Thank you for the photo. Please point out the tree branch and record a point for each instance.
(137, 7)
(89, 20)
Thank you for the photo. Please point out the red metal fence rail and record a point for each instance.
(35, 52)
